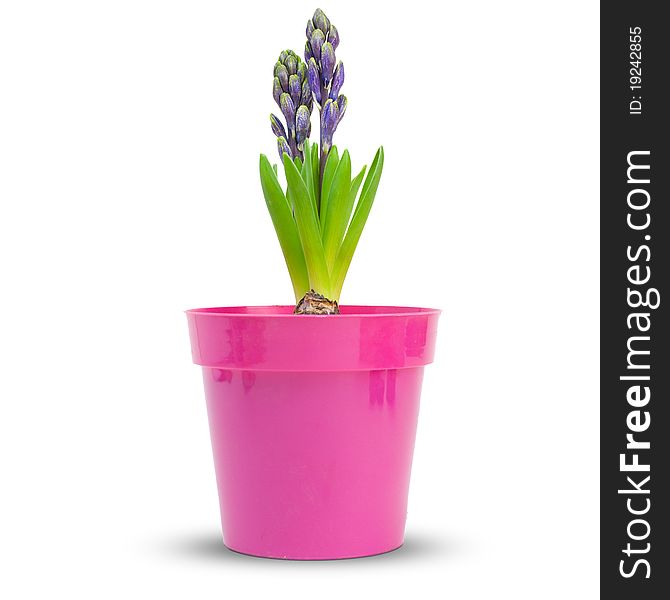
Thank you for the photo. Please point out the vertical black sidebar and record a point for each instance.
(635, 297)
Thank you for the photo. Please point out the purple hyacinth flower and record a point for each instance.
(291, 90)
(341, 107)
(291, 63)
(277, 127)
(325, 76)
(295, 89)
(288, 109)
(283, 148)
(329, 117)
(320, 20)
(276, 90)
(316, 41)
(306, 94)
(333, 37)
(281, 72)
(327, 63)
(313, 78)
(302, 125)
(338, 81)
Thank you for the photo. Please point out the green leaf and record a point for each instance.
(308, 230)
(316, 174)
(304, 165)
(307, 174)
(285, 226)
(332, 161)
(346, 251)
(342, 222)
(338, 213)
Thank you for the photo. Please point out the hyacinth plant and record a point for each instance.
(319, 216)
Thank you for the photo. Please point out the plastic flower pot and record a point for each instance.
(313, 421)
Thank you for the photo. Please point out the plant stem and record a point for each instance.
(323, 154)
(294, 148)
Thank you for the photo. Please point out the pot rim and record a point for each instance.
(285, 311)
(272, 338)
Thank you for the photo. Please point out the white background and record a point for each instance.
(129, 142)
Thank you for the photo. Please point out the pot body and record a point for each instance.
(313, 421)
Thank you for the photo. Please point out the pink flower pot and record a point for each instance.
(313, 420)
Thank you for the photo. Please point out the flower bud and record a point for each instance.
(306, 95)
(316, 41)
(276, 90)
(281, 72)
(283, 148)
(341, 107)
(328, 124)
(288, 109)
(277, 127)
(313, 78)
(291, 63)
(338, 81)
(329, 116)
(333, 37)
(320, 20)
(327, 63)
(295, 89)
(302, 125)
